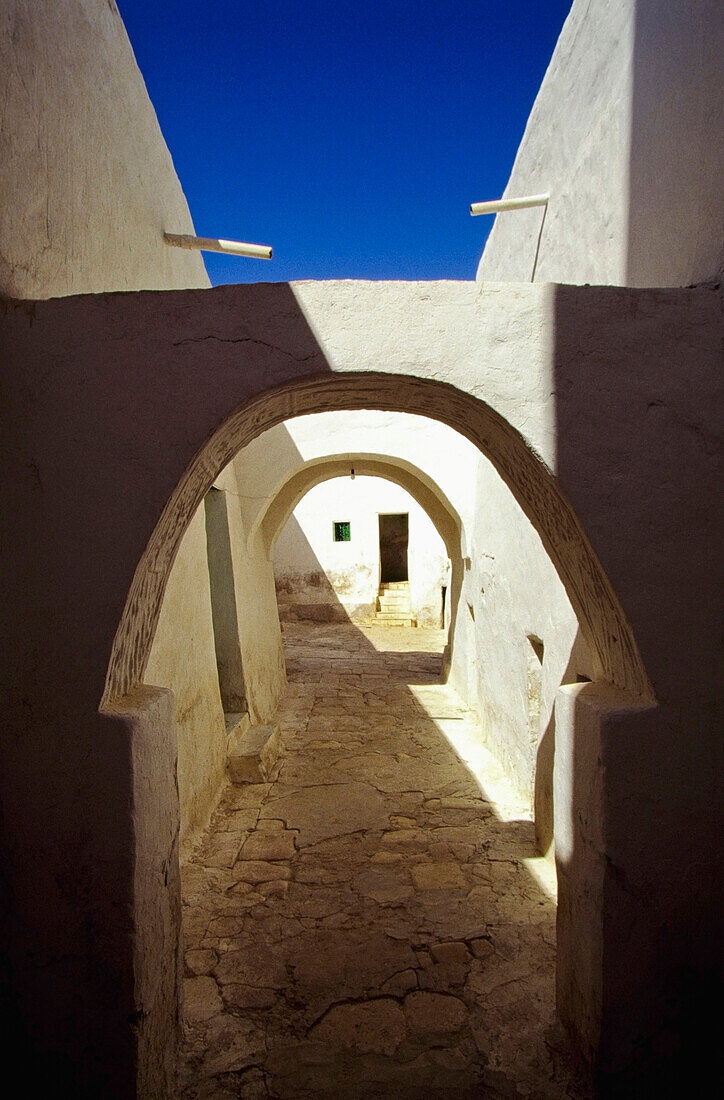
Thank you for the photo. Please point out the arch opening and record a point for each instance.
(397, 471)
(316, 571)
(615, 655)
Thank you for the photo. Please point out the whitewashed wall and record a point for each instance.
(183, 656)
(183, 659)
(512, 600)
(88, 188)
(87, 182)
(625, 136)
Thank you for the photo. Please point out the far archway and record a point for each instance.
(400, 472)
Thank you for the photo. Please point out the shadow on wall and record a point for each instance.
(642, 838)
(307, 595)
(676, 155)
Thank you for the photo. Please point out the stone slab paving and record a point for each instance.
(371, 922)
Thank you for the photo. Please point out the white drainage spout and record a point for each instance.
(214, 244)
(496, 205)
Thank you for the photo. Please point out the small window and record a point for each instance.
(341, 532)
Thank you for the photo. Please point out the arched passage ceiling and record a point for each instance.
(603, 623)
(431, 450)
(418, 485)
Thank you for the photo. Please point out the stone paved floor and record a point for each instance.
(370, 923)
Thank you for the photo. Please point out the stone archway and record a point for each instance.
(603, 623)
(398, 470)
(616, 660)
(617, 663)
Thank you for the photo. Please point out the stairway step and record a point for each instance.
(237, 723)
(254, 754)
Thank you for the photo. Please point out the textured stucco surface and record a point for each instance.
(511, 591)
(87, 183)
(624, 136)
(182, 658)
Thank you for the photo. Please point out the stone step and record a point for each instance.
(394, 620)
(237, 723)
(253, 754)
(393, 604)
(390, 603)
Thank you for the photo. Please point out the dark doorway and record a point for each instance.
(393, 547)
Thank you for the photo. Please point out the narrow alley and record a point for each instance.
(373, 922)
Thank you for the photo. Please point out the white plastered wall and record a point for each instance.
(183, 656)
(183, 659)
(259, 631)
(87, 182)
(641, 481)
(512, 594)
(624, 136)
(88, 188)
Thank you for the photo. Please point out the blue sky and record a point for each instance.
(351, 137)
